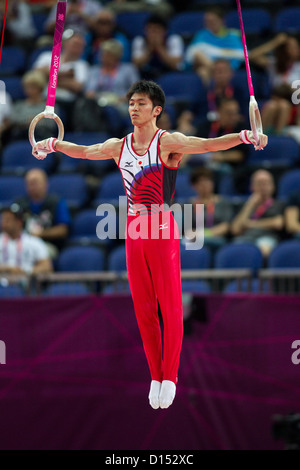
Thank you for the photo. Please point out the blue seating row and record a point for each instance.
(231, 256)
(74, 189)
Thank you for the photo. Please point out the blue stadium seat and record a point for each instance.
(198, 286)
(71, 187)
(39, 19)
(14, 87)
(85, 227)
(287, 20)
(17, 158)
(132, 23)
(116, 121)
(172, 112)
(288, 183)
(11, 188)
(110, 188)
(186, 24)
(80, 258)
(183, 190)
(86, 138)
(35, 53)
(195, 259)
(116, 288)
(255, 20)
(234, 287)
(285, 255)
(12, 290)
(66, 289)
(261, 85)
(117, 259)
(13, 60)
(184, 88)
(281, 151)
(226, 186)
(239, 256)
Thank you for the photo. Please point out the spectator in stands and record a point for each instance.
(23, 111)
(232, 161)
(20, 252)
(79, 15)
(292, 215)
(280, 57)
(103, 28)
(260, 220)
(19, 25)
(73, 71)
(109, 81)
(218, 211)
(157, 52)
(171, 123)
(213, 42)
(46, 215)
(221, 86)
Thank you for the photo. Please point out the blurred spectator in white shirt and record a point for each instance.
(19, 252)
(109, 81)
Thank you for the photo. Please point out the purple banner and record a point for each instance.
(76, 376)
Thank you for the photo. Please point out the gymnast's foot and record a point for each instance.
(167, 393)
(154, 394)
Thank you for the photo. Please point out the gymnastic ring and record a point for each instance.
(48, 113)
(255, 119)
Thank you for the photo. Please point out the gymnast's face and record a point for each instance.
(141, 109)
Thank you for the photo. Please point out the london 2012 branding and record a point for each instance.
(55, 71)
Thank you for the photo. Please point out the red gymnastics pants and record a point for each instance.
(153, 266)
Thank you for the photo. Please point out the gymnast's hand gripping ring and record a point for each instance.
(48, 113)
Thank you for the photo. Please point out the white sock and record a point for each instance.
(154, 394)
(167, 393)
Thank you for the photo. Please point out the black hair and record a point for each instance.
(157, 19)
(216, 10)
(14, 209)
(201, 172)
(154, 92)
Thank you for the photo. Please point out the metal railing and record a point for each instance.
(270, 281)
(279, 281)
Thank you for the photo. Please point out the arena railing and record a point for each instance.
(279, 281)
(270, 281)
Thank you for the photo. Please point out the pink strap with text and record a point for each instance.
(59, 27)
